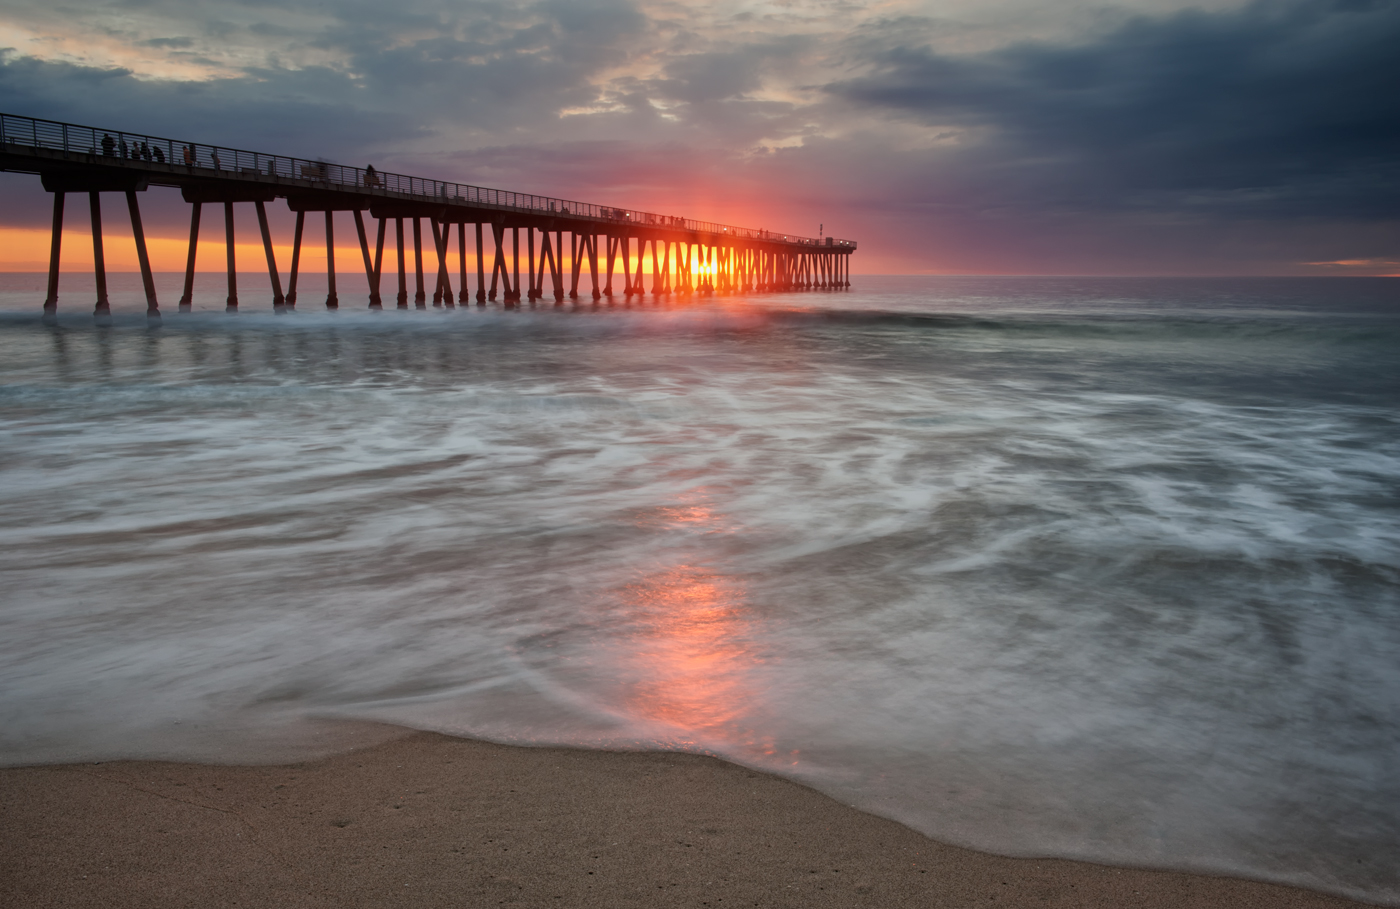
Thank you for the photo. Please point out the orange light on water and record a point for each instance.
(693, 653)
(692, 656)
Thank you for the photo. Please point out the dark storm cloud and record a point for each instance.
(1279, 108)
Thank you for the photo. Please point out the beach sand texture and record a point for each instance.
(428, 820)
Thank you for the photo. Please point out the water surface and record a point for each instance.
(1095, 568)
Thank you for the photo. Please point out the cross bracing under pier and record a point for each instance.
(685, 255)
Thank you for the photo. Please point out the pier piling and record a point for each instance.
(515, 264)
(296, 260)
(332, 298)
(143, 261)
(102, 310)
(369, 263)
(376, 300)
(420, 296)
(402, 298)
(231, 303)
(279, 302)
(480, 269)
(462, 296)
(55, 245)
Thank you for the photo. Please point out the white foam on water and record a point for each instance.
(1111, 580)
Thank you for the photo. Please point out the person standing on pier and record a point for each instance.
(109, 145)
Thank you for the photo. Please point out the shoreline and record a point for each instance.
(429, 820)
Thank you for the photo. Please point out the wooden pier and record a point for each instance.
(607, 246)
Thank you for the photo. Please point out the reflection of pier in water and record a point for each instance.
(686, 255)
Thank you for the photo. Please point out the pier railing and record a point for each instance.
(98, 143)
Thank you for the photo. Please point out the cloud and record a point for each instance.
(359, 79)
(1278, 109)
(1361, 263)
(304, 112)
(181, 43)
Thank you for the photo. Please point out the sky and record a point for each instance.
(1146, 137)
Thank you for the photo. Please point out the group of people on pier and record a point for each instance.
(143, 151)
(136, 150)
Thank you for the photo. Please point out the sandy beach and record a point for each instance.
(428, 820)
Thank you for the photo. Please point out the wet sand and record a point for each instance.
(427, 820)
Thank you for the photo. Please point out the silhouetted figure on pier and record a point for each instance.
(188, 152)
(371, 177)
(109, 145)
(159, 155)
(214, 156)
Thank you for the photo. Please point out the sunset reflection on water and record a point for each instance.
(693, 652)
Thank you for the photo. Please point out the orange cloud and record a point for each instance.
(1358, 263)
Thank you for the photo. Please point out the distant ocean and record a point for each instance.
(1098, 568)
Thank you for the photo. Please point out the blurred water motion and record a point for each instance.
(1102, 569)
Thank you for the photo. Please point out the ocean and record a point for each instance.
(1097, 568)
